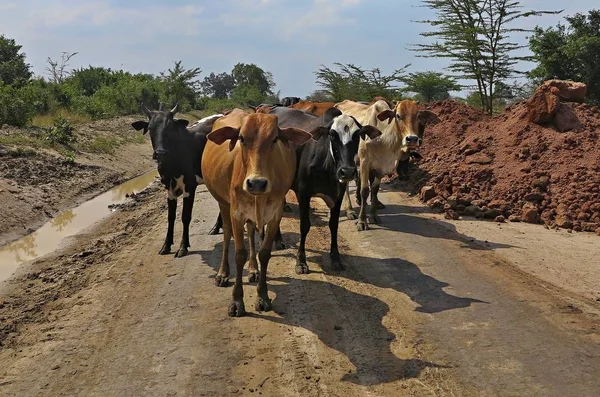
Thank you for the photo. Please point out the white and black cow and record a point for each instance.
(324, 167)
(178, 151)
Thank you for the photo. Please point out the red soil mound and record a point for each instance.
(508, 167)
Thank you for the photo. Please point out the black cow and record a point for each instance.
(290, 100)
(178, 152)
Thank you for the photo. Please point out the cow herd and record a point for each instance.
(250, 160)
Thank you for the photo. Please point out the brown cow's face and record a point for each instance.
(411, 122)
(260, 141)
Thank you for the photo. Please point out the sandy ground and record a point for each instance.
(425, 307)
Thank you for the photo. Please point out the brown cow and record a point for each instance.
(249, 178)
(318, 108)
(401, 133)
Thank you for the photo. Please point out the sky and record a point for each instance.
(289, 38)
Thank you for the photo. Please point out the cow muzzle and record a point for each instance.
(160, 155)
(257, 186)
(412, 141)
(346, 174)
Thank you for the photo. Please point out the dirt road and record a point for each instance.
(421, 310)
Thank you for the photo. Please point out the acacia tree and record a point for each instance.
(58, 69)
(356, 83)
(430, 86)
(181, 86)
(475, 36)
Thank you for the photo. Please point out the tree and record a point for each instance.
(570, 52)
(56, 70)
(181, 86)
(356, 83)
(14, 71)
(475, 36)
(430, 86)
(218, 86)
(253, 85)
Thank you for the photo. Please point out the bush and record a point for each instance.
(16, 108)
(61, 133)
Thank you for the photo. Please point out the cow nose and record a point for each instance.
(348, 172)
(257, 185)
(412, 139)
(160, 154)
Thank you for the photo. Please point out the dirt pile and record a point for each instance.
(508, 167)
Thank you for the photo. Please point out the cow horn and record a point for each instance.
(174, 110)
(160, 106)
(147, 111)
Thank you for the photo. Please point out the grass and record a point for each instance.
(24, 140)
(47, 120)
(22, 152)
(108, 144)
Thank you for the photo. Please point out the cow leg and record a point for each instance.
(364, 192)
(237, 308)
(350, 214)
(218, 225)
(222, 278)
(279, 244)
(304, 206)
(263, 303)
(186, 218)
(172, 208)
(373, 217)
(286, 207)
(334, 220)
(375, 182)
(252, 265)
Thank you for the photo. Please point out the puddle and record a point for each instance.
(68, 223)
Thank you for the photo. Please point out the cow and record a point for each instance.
(317, 108)
(249, 178)
(177, 151)
(290, 100)
(325, 166)
(402, 132)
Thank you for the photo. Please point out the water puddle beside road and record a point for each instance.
(68, 223)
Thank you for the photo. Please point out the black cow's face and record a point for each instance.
(166, 133)
(344, 137)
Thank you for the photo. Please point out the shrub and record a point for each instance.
(61, 133)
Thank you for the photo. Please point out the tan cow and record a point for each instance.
(318, 108)
(249, 178)
(402, 132)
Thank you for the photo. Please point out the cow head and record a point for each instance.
(260, 142)
(166, 133)
(410, 122)
(343, 134)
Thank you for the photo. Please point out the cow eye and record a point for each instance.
(241, 138)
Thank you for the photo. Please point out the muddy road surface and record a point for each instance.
(424, 308)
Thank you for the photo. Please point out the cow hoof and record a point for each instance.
(221, 281)
(165, 250)
(351, 215)
(214, 231)
(336, 263)
(263, 305)
(302, 268)
(181, 252)
(253, 276)
(360, 226)
(379, 205)
(287, 208)
(279, 245)
(374, 219)
(236, 309)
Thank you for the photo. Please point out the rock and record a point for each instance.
(492, 213)
(534, 197)
(514, 218)
(451, 214)
(542, 183)
(530, 213)
(563, 222)
(566, 120)
(499, 219)
(427, 193)
(588, 226)
(582, 216)
(498, 204)
(480, 158)
(568, 91)
(472, 210)
(452, 201)
(542, 107)
(577, 228)
(598, 231)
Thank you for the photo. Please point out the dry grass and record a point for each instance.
(47, 120)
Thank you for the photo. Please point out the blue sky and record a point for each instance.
(289, 38)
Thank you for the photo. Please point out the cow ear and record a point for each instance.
(182, 122)
(370, 131)
(296, 135)
(386, 115)
(318, 132)
(357, 123)
(222, 134)
(428, 117)
(140, 124)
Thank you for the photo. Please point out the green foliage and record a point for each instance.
(319, 96)
(475, 36)
(218, 86)
(355, 83)
(430, 86)
(16, 108)
(61, 133)
(14, 71)
(570, 52)
(181, 86)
